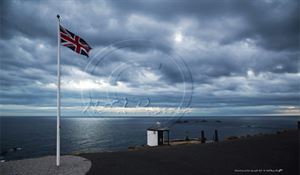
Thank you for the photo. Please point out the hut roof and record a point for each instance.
(158, 127)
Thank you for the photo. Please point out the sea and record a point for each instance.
(28, 137)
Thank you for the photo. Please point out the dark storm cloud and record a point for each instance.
(274, 24)
(110, 26)
(228, 63)
(224, 44)
(25, 18)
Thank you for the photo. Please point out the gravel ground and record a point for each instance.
(70, 165)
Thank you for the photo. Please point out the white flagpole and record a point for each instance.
(58, 95)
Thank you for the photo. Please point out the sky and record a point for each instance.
(152, 58)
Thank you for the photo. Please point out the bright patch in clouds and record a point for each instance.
(178, 37)
(240, 57)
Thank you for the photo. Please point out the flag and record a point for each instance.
(74, 42)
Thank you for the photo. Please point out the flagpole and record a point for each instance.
(58, 96)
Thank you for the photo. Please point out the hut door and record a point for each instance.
(160, 137)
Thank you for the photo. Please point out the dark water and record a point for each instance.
(37, 135)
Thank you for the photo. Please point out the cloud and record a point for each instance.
(234, 55)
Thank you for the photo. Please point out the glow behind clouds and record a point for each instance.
(243, 57)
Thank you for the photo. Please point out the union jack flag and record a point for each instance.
(74, 42)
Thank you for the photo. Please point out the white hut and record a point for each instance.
(155, 135)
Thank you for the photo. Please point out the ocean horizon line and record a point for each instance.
(147, 116)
